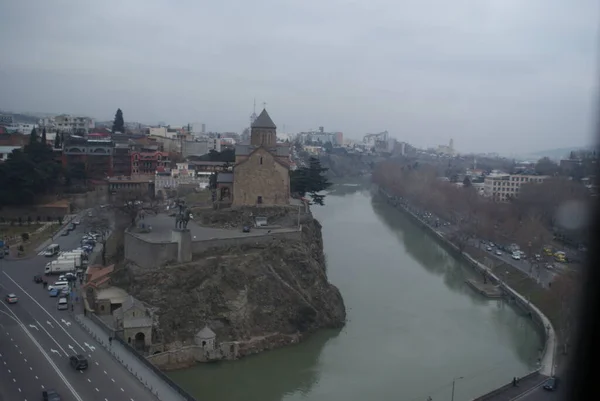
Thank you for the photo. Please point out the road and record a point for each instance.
(25, 370)
(60, 337)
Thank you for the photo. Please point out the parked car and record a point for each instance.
(38, 278)
(11, 298)
(78, 362)
(53, 292)
(489, 248)
(551, 384)
(246, 229)
(64, 233)
(498, 252)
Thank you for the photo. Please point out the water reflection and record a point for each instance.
(265, 377)
(515, 329)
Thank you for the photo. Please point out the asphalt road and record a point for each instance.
(60, 337)
(539, 394)
(25, 371)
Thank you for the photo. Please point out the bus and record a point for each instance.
(52, 250)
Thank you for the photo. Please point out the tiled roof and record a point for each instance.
(98, 275)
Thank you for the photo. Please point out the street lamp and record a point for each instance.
(453, 384)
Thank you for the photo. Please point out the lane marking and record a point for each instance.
(105, 372)
(97, 390)
(52, 338)
(41, 349)
(89, 380)
(44, 309)
(113, 380)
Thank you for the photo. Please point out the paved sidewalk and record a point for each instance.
(156, 384)
(509, 392)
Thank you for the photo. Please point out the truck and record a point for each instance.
(52, 250)
(60, 266)
(75, 257)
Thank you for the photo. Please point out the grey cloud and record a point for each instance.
(497, 75)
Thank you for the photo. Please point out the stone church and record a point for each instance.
(261, 171)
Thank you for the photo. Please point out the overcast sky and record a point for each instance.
(495, 75)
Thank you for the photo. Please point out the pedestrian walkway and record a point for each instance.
(510, 391)
(143, 373)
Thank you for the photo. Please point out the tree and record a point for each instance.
(44, 140)
(119, 122)
(100, 223)
(33, 138)
(467, 182)
(328, 147)
(131, 204)
(57, 143)
(545, 166)
(310, 180)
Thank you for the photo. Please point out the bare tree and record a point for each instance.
(100, 223)
(133, 205)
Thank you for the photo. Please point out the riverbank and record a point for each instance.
(547, 360)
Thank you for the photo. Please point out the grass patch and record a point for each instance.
(6, 230)
(201, 198)
(36, 240)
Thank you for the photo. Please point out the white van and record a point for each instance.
(62, 304)
(59, 285)
(52, 250)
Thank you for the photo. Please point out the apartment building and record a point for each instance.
(501, 187)
(68, 123)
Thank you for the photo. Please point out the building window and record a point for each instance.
(259, 200)
(261, 160)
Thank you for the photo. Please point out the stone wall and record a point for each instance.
(149, 254)
(202, 246)
(153, 254)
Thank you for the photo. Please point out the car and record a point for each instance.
(11, 298)
(78, 362)
(38, 278)
(53, 292)
(77, 222)
(64, 233)
(246, 229)
(516, 256)
(498, 252)
(64, 292)
(489, 248)
(62, 304)
(551, 384)
(50, 395)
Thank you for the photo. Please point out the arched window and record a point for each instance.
(261, 160)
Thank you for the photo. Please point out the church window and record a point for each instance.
(261, 160)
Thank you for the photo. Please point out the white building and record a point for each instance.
(6, 150)
(21, 128)
(68, 123)
(371, 140)
(501, 187)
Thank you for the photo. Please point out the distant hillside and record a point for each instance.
(559, 153)
(22, 118)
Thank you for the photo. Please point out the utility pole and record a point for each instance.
(453, 385)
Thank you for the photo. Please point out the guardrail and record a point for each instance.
(187, 396)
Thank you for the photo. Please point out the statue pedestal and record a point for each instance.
(183, 237)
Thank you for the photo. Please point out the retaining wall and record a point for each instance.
(542, 322)
(133, 352)
(154, 254)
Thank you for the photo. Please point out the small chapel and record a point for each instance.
(261, 171)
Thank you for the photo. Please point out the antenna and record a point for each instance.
(254, 105)
(264, 105)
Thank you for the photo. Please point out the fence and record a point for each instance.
(136, 354)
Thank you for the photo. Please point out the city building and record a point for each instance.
(94, 154)
(67, 123)
(148, 162)
(7, 150)
(447, 150)
(502, 187)
(20, 128)
(261, 171)
(141, 185)
(121, 160)
(200, 147)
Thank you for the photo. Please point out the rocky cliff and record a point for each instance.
(248, 294)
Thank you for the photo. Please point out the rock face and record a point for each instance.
(249, 294)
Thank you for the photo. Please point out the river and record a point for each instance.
(413, 324)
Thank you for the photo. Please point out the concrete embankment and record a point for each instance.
(543, 324)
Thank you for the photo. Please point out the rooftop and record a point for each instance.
(264, 121)
(116, 295)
